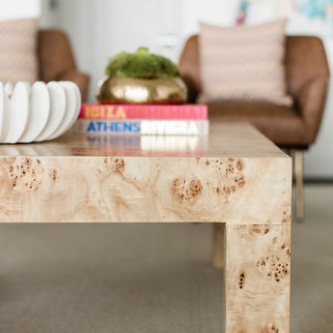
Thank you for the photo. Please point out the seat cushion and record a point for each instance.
(280, 124)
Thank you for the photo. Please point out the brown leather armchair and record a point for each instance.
(293, 127)
(56, 60)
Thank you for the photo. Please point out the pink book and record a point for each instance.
(151, 112)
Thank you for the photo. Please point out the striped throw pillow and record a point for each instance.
(18, 51)
(244, 63)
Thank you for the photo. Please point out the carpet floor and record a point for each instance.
(147, 278)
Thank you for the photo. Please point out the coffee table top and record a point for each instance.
(234, 175)
(225, 140)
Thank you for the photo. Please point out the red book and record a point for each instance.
(151, 112)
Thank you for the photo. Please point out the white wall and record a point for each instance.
(17, 9)
(221, 12)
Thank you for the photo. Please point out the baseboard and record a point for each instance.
(320, 181)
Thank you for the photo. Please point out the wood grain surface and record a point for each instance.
(258, 278)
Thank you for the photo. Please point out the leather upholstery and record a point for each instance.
(190, 68)
(56, 60)
(308, 80)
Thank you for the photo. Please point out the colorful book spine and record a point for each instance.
(145, 112)
(142, 127)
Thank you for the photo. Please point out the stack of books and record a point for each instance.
(98, 119)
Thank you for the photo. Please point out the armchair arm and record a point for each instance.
(55, 55)
(308, 79)
(310, 102)
(81, 79)
(189, 67)
(56, 60)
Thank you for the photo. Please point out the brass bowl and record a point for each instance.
(123, 90)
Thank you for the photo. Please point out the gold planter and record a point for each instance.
(122, 90)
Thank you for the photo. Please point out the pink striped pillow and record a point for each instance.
(244, 62)
(18, 51)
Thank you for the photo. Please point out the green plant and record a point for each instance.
(141, 65)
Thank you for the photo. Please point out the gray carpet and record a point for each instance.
(147, 278)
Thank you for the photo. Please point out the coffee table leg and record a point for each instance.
(257, 278)
(218, 245)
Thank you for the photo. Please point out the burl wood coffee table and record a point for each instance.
(236, 178)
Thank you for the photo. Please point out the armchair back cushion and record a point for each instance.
(244, 63)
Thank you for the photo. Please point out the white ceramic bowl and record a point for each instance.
(37, 113)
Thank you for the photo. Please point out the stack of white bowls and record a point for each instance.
(37, 113)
